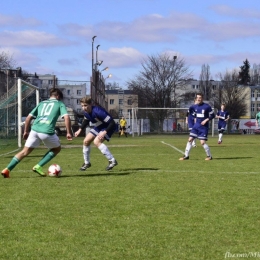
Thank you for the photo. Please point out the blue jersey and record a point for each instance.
(221, 121)
(203, 111)
(100, 116)
(223, 115)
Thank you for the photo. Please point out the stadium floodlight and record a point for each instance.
(106, 68)
(99, 62)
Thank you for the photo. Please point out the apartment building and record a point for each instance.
(120, 102)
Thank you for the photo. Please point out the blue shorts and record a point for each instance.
(95, 131)
(199, 131)
(222, 125)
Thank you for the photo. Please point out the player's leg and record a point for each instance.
(86, 150)
(32, 142)
(52, 142)
(203, 137)
(193, 135)
(104, 149)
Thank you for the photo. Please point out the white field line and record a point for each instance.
(10, 152)
(173, 147)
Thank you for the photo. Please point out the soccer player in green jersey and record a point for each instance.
(257, 118)
(43, 129)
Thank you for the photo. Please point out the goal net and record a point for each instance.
(20, 98)
(160, 121)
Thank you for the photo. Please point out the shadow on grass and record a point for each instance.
(111, 173)
(232, 158)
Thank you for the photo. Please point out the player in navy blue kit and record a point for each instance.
(204, 114)
(190, 119)
(223, 117)
(105, 127)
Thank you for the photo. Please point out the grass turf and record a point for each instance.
(150, 206)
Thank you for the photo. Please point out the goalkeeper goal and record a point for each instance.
(160, 121)
(15, 105)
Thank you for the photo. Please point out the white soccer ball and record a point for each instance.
(54, 170)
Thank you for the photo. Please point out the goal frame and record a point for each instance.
(20, 82)
(134, 117)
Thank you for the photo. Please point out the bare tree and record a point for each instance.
(255, 74)
(205, 83)
(6, 62)
(160, 80)
(160, 83)
(232, 94)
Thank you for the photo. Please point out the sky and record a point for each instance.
(55, 37)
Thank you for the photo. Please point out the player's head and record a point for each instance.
(223, 106)
(123, 117)
(199, 98)
(56, 93)
(86, 104)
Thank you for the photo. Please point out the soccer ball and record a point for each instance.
(54, 170)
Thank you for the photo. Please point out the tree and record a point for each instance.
(255, 74)
(244, 76)
(232, 94)
(6, 61)
(205, 83)
(160, 83)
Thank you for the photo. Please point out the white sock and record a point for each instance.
(187, 150)
(104, 150)
(194, 142)
(220, 136)
(207, 150)
(86, 153)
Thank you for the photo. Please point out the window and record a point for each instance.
(78, 101)
(68, 91)
(214, 87)
(252, 94)
(129, 102)
(195, 86)
(50, 82)
(252, 107)
(129, 111)
(111, 101)
(78, 92)
(121, 101)
(258, 94)
(120, 112)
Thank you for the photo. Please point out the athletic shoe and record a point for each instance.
(112, 164)
(184, 158)
(208, 158)
(6, 173)
(85, 166)
(219, 142)
(38, 169)
(194, 145)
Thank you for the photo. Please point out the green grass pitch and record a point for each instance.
(150, 206)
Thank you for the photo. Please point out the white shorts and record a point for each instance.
(34, 140)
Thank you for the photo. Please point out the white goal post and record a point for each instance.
(21, 95)
(160, 121)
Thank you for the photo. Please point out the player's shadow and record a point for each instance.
(232, 158)
(114, 173)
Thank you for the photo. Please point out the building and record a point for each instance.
(121, 102)
(72, 91)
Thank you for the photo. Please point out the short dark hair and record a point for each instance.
(56, 92)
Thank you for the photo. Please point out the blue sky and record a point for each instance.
(55, 37)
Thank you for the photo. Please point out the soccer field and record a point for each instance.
(150, 206)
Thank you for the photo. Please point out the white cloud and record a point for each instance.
(32, 39)
(18, 21)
